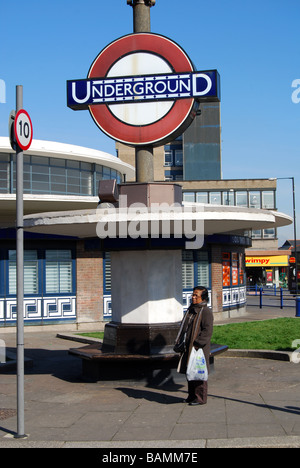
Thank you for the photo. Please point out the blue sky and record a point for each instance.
(254, 45)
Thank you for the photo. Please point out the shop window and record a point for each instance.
(226, 268)
(234, 269)
(242, 268)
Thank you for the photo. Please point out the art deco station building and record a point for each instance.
(67, 278)
(57, 270)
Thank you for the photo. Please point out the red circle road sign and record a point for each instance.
(141, 124)
(23, 129)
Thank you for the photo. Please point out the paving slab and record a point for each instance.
(251, 402)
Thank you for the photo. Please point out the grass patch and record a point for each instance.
(276, 334)
(98, 335)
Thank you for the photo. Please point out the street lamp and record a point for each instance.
(294, 219)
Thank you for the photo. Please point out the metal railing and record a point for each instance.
(283, 294)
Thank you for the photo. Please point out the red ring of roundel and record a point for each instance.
(179, 112)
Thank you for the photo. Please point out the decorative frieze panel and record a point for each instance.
(38, 309)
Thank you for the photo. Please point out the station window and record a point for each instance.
(228, 197)
(189, 196)
(215, 198)
(46, 272)
(30, 272)
(254, 199)
(269, 233)
(241, 198)
(4, 173)
(195, 269)
(268, 199)
(202, 197)
(187, 270)
(58, 266)
(46, 175)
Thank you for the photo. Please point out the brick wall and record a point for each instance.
(216, 278)
(89, 278)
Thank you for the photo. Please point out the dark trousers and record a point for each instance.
(198, 391)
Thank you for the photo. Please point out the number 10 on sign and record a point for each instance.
(23, 129)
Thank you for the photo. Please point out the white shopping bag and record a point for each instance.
(197, 369)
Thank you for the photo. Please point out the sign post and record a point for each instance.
(20, 278)
(20, 128)
(144, 167)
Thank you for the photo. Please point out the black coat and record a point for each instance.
(200, 339)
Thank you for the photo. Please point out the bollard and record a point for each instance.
(281, 299)
(260, 297)
(297, 306)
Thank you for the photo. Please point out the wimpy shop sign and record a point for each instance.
(271, 261)
(83, 93)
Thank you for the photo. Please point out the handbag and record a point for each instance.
(197, 368)
(180, 345)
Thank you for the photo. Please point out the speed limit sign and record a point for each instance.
(23, 129)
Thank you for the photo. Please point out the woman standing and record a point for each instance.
(197, 325)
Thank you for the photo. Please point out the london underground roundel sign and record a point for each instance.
(142, 89)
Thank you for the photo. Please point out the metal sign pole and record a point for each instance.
(295, 235)
(144, 166)
(20, 278)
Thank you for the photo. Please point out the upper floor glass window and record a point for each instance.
(4, 173)
(215, 198)
(254, 199)
(241, 199)
(174, 155)
(228, 197)
(268, 199)
(189, 196)
(202, 197)
(54, 176)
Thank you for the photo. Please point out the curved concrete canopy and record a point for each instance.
(211, 219)
(72, 152)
